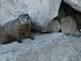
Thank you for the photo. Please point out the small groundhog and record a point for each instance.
(16, 29)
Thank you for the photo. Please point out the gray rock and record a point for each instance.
(41, 11)
(76, 4)
(53, 26)
(46, 47)
(68, 25)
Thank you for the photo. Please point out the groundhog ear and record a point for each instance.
(17, 18)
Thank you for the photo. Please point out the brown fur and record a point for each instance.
(16, 30)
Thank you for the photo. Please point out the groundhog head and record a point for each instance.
(24, 19)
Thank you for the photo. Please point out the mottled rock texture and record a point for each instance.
(76, 4)
(68, 25)
(46, 47)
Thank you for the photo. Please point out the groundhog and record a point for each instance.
(16, 30)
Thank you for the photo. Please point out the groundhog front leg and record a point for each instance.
(29, 35)
(19, 40)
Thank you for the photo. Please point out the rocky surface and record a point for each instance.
(76, 4)
(41, 11)
(53, 26)
(45, 47)
(68, 25)
(70, 19)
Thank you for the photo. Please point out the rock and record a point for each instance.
(53, 26)
(63, 12)
(40, 11)
(68, 25)
(46, 47)
(76, 4)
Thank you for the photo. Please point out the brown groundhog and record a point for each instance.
(16, 29)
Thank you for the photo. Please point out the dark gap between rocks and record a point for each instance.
(67, 10)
